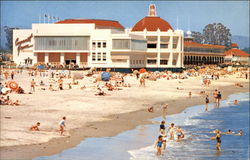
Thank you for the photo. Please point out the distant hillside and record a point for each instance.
(242, 41)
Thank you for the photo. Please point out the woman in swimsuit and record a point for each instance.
(158, 144)
(217, 138)
(207, 102)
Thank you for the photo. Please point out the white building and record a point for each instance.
(151, 43)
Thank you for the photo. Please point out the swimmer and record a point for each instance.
(35, 127)
(207, 102)
(229, 132)
(171, 131)
(180, 134)
(218, 139)
(236, 102)
(162, 126)
(158, 144)
(240, 133)
(164, 139)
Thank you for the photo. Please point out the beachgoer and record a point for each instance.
(215, 95)
(180, 134)
(158, 144)
(218, 139)
(35, 127)
(164, 139)
(240, 133)
(151, 109)
(190, 94)
(142, 82)
(218, 98)
(12, 75)
(229, 132)
(32, 85)
(236, 102)
(207, 102)
(62, 125)
(164, 111)
(162, 126)
(171, 131)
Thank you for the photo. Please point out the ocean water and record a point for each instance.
(137, 144)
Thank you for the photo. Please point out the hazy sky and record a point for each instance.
(233, 14)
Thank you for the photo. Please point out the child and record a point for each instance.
(158, 144)
(35, 127)
(62, 125)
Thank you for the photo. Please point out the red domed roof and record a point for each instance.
(98, 22)
(152, 23)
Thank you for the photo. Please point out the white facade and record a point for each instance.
(169, 51)
(88, 45)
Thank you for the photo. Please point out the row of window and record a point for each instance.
(98, 44)
(162, 62)
(136, 61)
(213, 50)
(99, 56)
(154, 45)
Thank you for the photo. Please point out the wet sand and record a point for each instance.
(116, 121)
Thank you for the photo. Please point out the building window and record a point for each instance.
(104, 56)
(99, 45)
(174, 62)
(104, 44)
(151, 61)
(93, 57)
(99, 56)
(164, 45)
(174, 46)
(137, 62)
(93, 45)
(149, 45)
(164, 62)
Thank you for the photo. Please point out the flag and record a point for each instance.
(54, 17)
(45, 15)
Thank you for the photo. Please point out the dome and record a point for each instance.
(152, 23)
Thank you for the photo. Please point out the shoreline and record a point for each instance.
(111, 127)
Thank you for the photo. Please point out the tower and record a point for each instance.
(152, 10)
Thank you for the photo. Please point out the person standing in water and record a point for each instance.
(171, 131)
(207, 102)
(218, 139)
(162, 126)
(218, 98)
(164, 139)
(158, 145)
(180, 134)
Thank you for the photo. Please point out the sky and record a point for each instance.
(189, 15)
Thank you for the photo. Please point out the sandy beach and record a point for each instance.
(94, 116)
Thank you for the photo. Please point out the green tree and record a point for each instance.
(9, 36)
(217, 34)
(197, 37)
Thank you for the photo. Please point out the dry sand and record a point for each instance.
(93, 116)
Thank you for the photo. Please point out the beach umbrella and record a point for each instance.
(40, 67)
(13, 85)
(157, 72)
(142, 70)
(105, 76)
